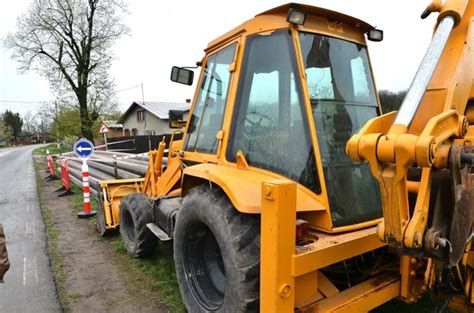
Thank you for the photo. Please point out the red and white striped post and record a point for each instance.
(87, 194)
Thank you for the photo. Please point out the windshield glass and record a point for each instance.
(270, 125)
(342, 100)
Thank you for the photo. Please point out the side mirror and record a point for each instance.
(182, 75)
(176, 119)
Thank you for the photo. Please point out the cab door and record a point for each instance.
(210, 105)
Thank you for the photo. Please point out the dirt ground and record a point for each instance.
(90, 278)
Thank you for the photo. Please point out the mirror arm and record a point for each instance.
(198, 64)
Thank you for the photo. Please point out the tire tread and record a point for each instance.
(243, 235)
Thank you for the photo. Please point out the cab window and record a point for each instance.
(270, 124)
(342, 98)
(208, 113)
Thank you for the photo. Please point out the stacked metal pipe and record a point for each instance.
(106, 165)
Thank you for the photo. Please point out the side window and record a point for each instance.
(336, 70)
(360, 83)
(208, 113)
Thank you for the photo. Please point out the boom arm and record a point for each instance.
(420, 137)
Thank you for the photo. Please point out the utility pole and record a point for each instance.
(56, 108)
(56, 120)
(143, 101)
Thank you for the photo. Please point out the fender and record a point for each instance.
(242, 186)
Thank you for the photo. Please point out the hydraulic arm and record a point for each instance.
(421, 157)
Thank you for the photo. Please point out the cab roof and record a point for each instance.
(312, 10)
(283, 10)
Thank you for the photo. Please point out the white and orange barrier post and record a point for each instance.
(87, 194)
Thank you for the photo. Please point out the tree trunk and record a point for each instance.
(86, 121)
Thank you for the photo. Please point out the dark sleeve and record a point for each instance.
(4, 262)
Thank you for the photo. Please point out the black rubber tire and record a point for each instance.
(214, 242)
(136, 210)
(100, 219)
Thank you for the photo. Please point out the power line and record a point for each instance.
(21, 107)
(24, 101)
(128, 88)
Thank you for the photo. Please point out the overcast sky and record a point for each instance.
(167, 33)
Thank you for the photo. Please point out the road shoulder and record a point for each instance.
(90, 275)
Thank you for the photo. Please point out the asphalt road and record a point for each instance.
(29, 284)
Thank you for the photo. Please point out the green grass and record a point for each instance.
(56, 256)
(74, 297)
(53, 149)
(159, 267)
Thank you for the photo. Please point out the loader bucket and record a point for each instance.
(110, 195)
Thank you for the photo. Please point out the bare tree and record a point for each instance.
(29, 123)
(68, 42)
(45, 120)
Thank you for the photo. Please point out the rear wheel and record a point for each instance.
(100, 217)
(100, 220)
(217, 254)
(136, 210)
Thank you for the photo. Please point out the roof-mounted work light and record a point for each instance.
(375, 35)
(296, 16)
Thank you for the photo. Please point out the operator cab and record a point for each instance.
(284, 92)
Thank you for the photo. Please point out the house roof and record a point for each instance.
(158, 109)
(112, 124)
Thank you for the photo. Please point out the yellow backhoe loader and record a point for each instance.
(291, 191)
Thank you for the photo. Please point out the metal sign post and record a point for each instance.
(84, 149)
(104, 130)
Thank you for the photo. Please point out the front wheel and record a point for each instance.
(136, 210)
(217, 254)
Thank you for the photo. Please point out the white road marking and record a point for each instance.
(30, 229)
(30, 271)
(24, 271)
(28, 208)
(36, 272)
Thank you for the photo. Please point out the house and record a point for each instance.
(115, 129)
(150, 118)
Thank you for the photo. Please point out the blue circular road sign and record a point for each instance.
(83, 148)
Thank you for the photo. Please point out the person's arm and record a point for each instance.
(4, 262)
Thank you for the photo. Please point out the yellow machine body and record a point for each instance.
(244, 191)
(111, 193)
(293, 274)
